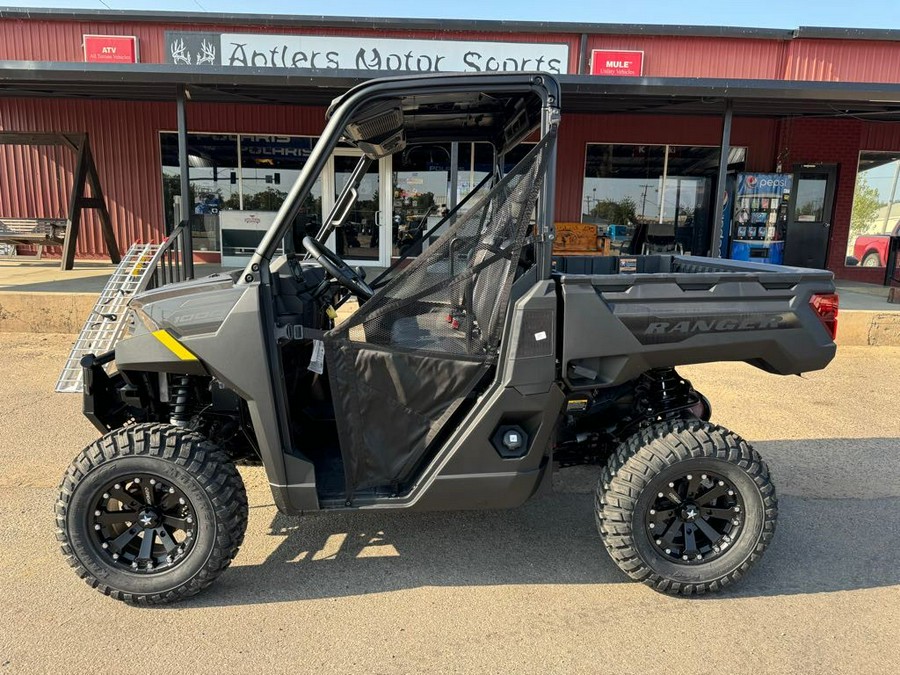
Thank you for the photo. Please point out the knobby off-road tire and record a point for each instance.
(637, 482)
(187, 472)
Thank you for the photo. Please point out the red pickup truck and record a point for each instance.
(871, 250)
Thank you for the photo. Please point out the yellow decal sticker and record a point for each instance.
(174, 345)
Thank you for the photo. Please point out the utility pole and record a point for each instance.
(644, 188)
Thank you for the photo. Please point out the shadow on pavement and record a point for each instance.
(822, 544)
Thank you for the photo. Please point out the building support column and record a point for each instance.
(187, 204)
(715, 243)
(454, 175)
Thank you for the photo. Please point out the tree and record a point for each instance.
(269, 199)
(616, 213)
(865, 206)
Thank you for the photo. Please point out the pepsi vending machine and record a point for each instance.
(759, 216)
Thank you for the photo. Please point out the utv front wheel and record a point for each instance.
(151, 514)
(686, 507)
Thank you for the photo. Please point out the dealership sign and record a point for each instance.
(392, 55)
(617, 63)
(110, 49)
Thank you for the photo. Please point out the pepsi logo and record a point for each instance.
(751, 181)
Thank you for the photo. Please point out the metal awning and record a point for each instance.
(580, 93)
(722, 98)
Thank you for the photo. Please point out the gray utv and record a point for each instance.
(466, 376)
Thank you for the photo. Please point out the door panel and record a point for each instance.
(360, 240)
(809, 216)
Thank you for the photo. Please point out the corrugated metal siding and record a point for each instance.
(670, 56)
(843, 61)
(665, 56)
(61, 41)
(125, 141)
(41, 188)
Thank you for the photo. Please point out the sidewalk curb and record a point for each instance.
(66, 313)
(868, 328)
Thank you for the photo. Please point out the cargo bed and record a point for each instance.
(623, 316)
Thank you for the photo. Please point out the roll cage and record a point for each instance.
(384, 116)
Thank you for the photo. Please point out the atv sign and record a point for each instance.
(617, 63)
(110, 49)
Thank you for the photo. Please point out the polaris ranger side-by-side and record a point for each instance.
(467, 374)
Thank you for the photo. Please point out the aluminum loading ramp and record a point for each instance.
(107, 320)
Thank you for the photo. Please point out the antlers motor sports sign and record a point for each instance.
(389, 55)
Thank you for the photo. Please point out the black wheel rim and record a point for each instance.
(142, 524)
(695, 518)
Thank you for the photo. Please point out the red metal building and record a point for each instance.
(646, 132)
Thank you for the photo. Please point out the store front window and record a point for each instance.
(213, 161)
(238, 183)
(421, 194)
(663, 193)
(876, 209)
(422, 187)
(358, 239)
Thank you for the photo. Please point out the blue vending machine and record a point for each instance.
(759, 216)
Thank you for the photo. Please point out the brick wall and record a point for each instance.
(828, 141)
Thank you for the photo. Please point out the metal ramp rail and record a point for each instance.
(144, 266)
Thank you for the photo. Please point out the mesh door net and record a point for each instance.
(402, 364)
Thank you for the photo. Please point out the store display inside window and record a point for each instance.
(876, 209)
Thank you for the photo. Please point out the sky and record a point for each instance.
(753, 13)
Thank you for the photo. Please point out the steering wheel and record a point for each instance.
(345, 275)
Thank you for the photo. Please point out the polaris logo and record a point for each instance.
(765, 322)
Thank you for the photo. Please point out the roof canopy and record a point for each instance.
(580, 93)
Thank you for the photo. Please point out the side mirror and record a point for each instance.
(360, 272)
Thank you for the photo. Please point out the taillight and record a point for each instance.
(825, 305)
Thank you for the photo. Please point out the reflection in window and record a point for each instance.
(358, 238)
(660, 193)
(231, 174)
(876, 209)
(213, 161)
(422, 187)
(811, 199)
(421, 191)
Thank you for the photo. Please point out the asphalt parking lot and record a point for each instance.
(529, 590)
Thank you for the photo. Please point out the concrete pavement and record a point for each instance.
(528, 590)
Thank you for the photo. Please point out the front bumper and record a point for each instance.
(102, 403)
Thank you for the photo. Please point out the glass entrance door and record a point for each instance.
(365, 238)
(809, 216)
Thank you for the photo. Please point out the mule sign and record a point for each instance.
(110, 49)
(617, 63)
(383, 55)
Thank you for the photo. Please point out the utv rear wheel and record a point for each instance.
(686, 507)
(151, 514)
